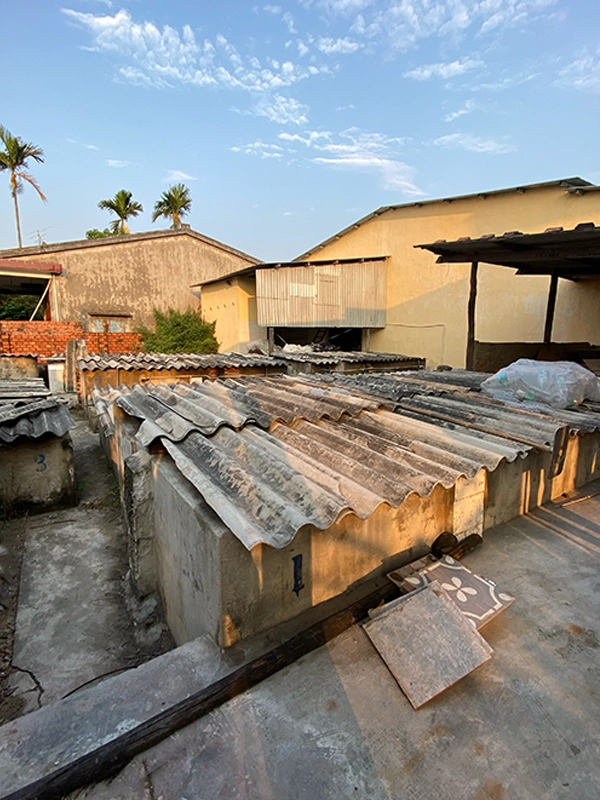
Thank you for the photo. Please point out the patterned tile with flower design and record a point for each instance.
(477, 598)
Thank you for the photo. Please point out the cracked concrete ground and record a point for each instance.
(76, 618)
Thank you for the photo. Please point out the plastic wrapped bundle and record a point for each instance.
(560, 384)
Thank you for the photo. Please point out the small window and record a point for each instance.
(109, 323)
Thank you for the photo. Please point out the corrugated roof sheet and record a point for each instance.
(19, 388)
(267, 484)
(453, 399)
(179, 361)
(174, 411)
(33, 418)
(182, 361)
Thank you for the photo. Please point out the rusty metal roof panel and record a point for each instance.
(33, 418)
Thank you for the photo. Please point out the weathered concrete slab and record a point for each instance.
(336, 724)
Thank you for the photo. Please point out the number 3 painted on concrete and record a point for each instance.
(41, 462)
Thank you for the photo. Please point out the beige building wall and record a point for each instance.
(232, 305)
(427, 302)
(132, 274)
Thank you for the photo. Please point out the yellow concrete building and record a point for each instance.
(426, 302)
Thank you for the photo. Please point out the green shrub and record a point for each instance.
(179, 332)
(20, 306)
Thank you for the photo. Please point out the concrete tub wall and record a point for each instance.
(517, 488)
(38, 475)
(188, 555)
(18, 367)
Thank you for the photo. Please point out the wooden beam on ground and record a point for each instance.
(107, 759)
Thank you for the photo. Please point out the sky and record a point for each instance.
(288, 121)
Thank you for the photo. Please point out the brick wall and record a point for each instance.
(49, 338)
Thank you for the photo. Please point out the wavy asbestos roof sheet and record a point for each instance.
(336, 452)
(19, 388)
(175, 411)
(181, 361)
(178, 361)
(266, 486)
(451, 399)
(33, 419)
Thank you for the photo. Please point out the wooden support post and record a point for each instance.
(271, 340)
(470, 360)
(550, 308)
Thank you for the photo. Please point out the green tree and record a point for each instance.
(94, 233)
(20, 306)
(14, 159)
(174, 203)
(179, 332)
(123, 207)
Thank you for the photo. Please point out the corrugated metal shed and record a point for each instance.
(266, 485)
(323, 295)
(33, 418)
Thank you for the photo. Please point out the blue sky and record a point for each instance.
(290, 120)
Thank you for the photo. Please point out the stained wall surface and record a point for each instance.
(132, 274)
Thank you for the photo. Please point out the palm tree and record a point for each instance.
(14, 159)
(174, 203)
(123, 207)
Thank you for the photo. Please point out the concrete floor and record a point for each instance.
(76, 620)
(336, 725)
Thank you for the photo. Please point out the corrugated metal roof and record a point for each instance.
(266, 485)
(33, 418)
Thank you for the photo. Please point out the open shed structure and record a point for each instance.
(572, 255)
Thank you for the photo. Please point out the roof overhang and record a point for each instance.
(572, 254)
(26, 277)
(313, 262)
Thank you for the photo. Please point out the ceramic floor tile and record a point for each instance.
(477, 598)
(427, 644)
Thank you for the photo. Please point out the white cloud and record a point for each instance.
(261, 149)
(443, 70)
(351, 150)
(307, 140)
(289, 21)
(284, 110)
(117, 164)
(164, 57)
(582, 74)
(469, 106)
(402, 23)
(475, 144)
(82, 144)
(272, 9)
(176, 176)
(331, 46)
